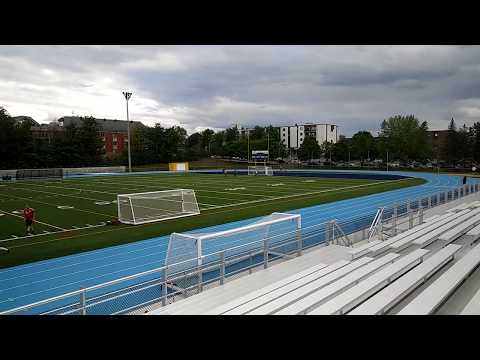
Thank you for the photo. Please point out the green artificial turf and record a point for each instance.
(221, 199)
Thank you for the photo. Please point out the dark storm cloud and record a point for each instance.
(216, 86)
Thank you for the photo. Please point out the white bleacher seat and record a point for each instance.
(474, 231)
(311, 301)
(473, 306)
(362, 249)
(459, 230)
(274, 290)
(432, 235)
(431, 218)
(460, 207)
(414, 233)
(435, 294)
(313, 286)
(387, 298)
(366, 288)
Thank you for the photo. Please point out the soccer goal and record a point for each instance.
(260, 170)
(141, 208)
(191, 250)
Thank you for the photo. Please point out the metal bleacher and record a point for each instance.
(413, 272)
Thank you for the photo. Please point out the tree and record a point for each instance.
(89, 143)
(341, 149)
(451, 148)
(405, 138)
(363, 145)
(475, 129)
(207, 138)
(310, 149)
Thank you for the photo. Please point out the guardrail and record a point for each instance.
(155, 286)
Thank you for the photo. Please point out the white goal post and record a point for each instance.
(260, 170)
(141, 208)
(190, 250)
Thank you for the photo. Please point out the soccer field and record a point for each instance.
(72, 214)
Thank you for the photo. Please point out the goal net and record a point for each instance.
(188, 251)
(147, 207)
(260, 170)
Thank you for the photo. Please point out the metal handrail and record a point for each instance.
(238, 257)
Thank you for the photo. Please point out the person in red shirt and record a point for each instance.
(28, 214)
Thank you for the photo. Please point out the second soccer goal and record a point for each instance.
(260, 170)
(141, 208)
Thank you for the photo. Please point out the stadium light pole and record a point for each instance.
(128, 95)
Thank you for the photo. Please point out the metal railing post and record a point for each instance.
(83, 301)
(394, 223)
(410, 220)
(429, 203)
(265, 253)
(332, 226)
(251, 263)
(164, 287)
(222, 267)
(200, 278)
(327, 233)
(420, 216)
(298, 235)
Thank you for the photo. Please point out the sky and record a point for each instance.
(206, 86)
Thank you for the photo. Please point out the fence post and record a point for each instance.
(420, 216)
(327, 233)
(222, 267)
(298, 235)
(251, 262)
(164, 287)
(410, 220)
(429, 204)
(332, 226)
(437, 199)
(265, 253)
(394, 224)
(408, 205)
(83, 301)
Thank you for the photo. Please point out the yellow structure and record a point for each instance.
(180, 166)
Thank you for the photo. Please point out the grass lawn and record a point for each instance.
(71, 214)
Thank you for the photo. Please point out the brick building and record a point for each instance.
(113, 133)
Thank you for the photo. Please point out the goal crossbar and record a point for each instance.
(152, 206)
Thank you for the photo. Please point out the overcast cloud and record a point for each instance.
(355, 87)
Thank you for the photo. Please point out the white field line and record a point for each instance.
(49, 204)
(40, 222)
(57, 194)
(198, 189)
(70, 188)
(306, 194)
(291, 183)
(215, 183)
(98, 200)
(340, 209)
(49, 233)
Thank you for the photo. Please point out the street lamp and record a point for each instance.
(128, 95)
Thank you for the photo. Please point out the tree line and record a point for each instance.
(77, 147)
(402, 138)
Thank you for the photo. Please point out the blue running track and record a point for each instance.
(33, 282)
